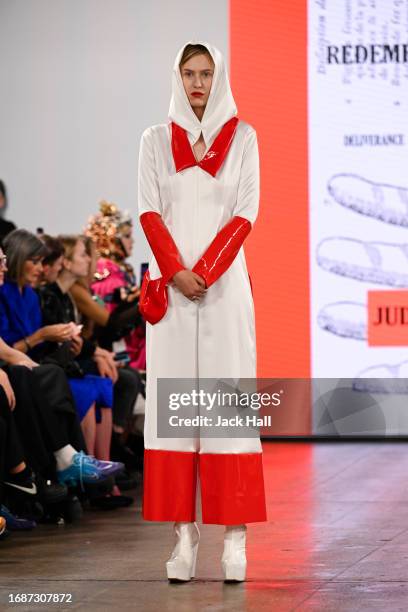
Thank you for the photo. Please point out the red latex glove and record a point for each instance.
(222, 250)
(162, 244)
(153, 296)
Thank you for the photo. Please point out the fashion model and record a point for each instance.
(198, 199)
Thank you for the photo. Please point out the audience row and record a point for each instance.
(72, 351)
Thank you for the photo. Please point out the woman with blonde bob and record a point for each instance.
(58, 306)
(198, 200)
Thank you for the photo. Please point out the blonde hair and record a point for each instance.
(69, 242)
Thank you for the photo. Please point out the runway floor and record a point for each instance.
(337, 539)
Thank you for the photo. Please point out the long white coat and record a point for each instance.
(215, 337)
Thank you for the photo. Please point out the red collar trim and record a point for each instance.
(212, 161)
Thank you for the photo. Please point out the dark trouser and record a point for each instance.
(11, 451)
(3, 442)
(45, 413)
(125, 393)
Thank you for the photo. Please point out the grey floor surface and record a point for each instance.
(336, 540)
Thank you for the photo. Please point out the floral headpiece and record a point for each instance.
(105, 228)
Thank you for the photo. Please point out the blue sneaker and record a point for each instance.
(82, 470)
(109, 468)
(15, 523)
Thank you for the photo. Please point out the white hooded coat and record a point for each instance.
(214, 337)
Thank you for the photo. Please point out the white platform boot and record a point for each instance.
(182, 563)
(234, 558)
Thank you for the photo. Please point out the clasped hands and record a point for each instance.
(191, 285)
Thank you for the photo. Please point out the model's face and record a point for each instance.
(3, 266)
(51, 271)
(127, 239)
(78, 265)
(32, 270)
(197, 75)
(2, 201)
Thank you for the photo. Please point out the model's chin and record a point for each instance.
(197, 102)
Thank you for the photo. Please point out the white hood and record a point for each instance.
(220, 106)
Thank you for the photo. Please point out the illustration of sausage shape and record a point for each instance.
(387, 203)
(383, 378)
(374, 262)
(346, 319)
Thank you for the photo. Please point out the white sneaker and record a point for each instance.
(234, 558)
(182, 563)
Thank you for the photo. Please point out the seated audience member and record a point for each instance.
(14, 471)
(21, 327)
(58, 307)
(114, 280)
(52, 262)
(108, 324)
(5, 226)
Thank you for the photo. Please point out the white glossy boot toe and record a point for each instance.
(182, 563)
(234, 557)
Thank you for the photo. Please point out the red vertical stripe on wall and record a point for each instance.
(268, 66)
